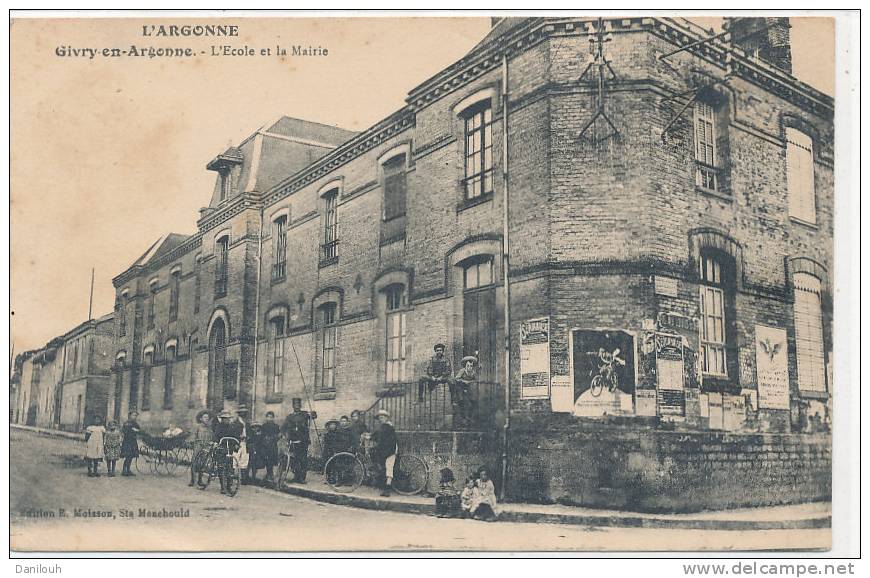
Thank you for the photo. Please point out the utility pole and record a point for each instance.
(91, 298)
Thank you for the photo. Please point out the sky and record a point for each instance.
(108, 154)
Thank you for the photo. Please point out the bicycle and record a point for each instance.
(221, 460)
(606, 373)
(287, 465)
(346, 471)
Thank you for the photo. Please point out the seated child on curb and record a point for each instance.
(447, 501)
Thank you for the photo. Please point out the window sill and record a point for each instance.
(167, 407)
(394, 239)
(274, 398)
(324, 395)
(327, 262)
(715, 194)
(220, 295)
(811, 394)
(807, 224)
(278, 280)
(468, 203)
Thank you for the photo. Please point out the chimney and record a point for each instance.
(764, 38)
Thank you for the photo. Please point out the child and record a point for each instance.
(468, 497)
(331, 440)
(112, 446)
(129, 445)
(485, 506)
(202, 438)
(94, 452)
(447, 501)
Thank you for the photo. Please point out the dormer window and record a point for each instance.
(224, 191)
(223, 164)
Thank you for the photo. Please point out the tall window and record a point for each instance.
(396, 345)
(222, 250)
(146, 380)
(395, 192)
(122, 315)
(191, 387)
(169, 377)
(224, 185)
(712, 317)
(152, 298)
(197, 284)
(279, 248)
(809, 339)
(705, 146)
(801, 176)
(174, 294)
(276, 359)
(328, 342)
(478, 274)
(330, 226)
(478, 151)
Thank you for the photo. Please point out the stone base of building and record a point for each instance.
(636, 468)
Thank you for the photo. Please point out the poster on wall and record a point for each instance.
(561, 393)
(535, 358)
(669, 369)
(771, 363)
(604, 372)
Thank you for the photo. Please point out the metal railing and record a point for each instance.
(439, 409)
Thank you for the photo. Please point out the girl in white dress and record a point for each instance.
(94, 451)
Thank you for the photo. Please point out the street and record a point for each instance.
(47, 475)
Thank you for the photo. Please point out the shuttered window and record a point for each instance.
(705, 146)
(801, 176)
(809, 339)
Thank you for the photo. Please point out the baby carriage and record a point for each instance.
(161, 453)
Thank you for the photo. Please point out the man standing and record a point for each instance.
(228, 427)
(268, 447)
(296, 431)
(438, 371)
(384, 451)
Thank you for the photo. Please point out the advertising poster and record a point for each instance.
(535, 358)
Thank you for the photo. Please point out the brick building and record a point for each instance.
(64, 385)
(670, 226)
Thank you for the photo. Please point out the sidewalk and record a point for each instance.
(790, 517)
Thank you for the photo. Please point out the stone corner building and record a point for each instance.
(670, 228)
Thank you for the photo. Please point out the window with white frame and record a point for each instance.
(712, 317)
(801, 176)
(478, 150)
(397, 335)
(809, 339)
(478, 274)
(706, 174)
(328, 339)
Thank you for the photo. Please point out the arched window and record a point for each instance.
(275, 360)
(328, 337)
(168, 379)
(279, 248)
(222, 253)
(217, 361)
(147, 363)
(717, 313)
(397, 334)
(809, 337)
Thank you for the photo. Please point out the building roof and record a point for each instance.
(160, 247)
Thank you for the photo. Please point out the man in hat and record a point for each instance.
(383, 452)
(464, 402)
(438, 370)
(331, 442)
(296, 430)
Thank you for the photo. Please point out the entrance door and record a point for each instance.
(217, 356)
(478, 331)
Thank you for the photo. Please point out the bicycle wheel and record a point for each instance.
(209, 468)
(410, 475)
(344, 472)
(596, 387)
(287, 467)
(234, 477)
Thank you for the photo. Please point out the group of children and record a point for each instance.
(102, 443)
(343, 434)
(476, 500)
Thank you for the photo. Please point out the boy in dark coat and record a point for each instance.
(331, 440)
(268, 447)
(384, 451)
(129, 443)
